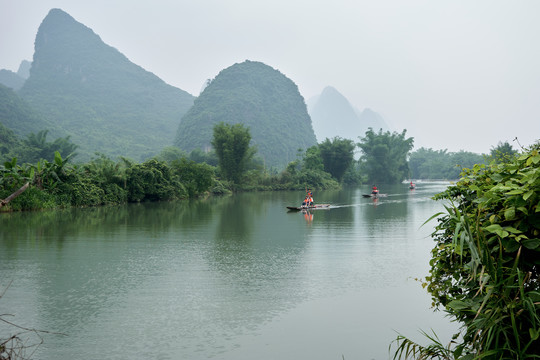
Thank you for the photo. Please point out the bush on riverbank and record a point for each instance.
(485, 265)
(59, 184)
(102, 181)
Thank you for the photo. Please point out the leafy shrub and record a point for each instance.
(485, 267)
(153, 180)
(33, 199)
(196, 178)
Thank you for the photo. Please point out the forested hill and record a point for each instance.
(259, 97)
(93, 93)
(18, 116)
(11, 79)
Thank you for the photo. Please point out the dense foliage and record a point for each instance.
(502, 152)
(307, 172)
(485, 269)
(337, 156)
(232, 146)
(441, 164)
(384, 156)
(34, 148)
(101, 182)
(261, 98)
(92, 92)
(11, 79)
(17, 115)
(8, 141)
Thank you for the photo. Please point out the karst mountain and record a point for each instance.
(96, 95)
(262, 99)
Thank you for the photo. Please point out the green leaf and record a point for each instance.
(510, 213)
(494, 228)
(458, 305)
(534, 296)
(515, 192)
(533, 159)
(534, 334)
(433, 217)
(512, 230)
(57, 158)
(531, 243)
(528, 194)
(510, 245)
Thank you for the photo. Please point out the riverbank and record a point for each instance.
(59, 184)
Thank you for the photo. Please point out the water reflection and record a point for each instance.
(198, 279)
(308, 215)
(236, 218)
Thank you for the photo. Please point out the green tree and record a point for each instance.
(337, 156)
(503, 152)
(312, 159)
(171, 153)
(36, 147)
(153, 180)
(200, 156)
(485, 264)
(196, 178)
(8, 141)
(109, 176)
(384, 156)
(441, 164)
(231, 143)
(430, 164)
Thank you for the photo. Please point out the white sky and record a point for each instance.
(457, 74)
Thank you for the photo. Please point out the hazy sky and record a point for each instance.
(457, 74)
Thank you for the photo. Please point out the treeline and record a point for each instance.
(102, 181)
(51, 180)
(441, 164)
(57, 182)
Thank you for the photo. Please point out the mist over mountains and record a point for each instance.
(78, 86)
(333, 115)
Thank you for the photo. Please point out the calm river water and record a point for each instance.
(233, 277)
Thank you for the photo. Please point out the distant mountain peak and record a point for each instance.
(333, 115)
(69, 46)
(332, 101)
(93, 93)
(59, 23)
(329, 89)
(24, 69)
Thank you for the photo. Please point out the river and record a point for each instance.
(235, 277)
